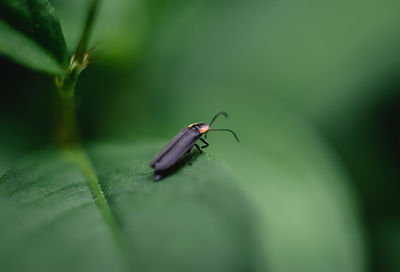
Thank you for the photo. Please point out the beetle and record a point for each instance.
(166, 160)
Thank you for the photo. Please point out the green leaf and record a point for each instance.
(195, 219)
(37, 20)
(25, 51)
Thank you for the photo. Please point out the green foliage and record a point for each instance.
(31, 35)
(295, 77)
(37, 20)
(50, 219)
(23, 50)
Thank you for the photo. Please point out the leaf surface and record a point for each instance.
(195, 218)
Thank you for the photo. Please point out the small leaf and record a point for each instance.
(37, 20)
(25, 51)
(195, 219)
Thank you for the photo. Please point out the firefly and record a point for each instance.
(183, 143)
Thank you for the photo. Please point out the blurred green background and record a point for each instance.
(312, 89)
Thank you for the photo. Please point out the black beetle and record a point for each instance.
(182, 143)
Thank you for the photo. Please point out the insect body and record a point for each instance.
(182, 143)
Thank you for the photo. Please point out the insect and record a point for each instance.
(166, 160)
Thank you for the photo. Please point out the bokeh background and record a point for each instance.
(312, 88)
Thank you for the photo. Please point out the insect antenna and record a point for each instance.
(225, 129)
(215, 117)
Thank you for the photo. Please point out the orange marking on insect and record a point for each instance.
(204, 128)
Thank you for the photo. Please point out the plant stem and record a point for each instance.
(66, 124)
(84, 40)
(67, 131)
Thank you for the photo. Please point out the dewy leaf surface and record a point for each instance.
(37, 20)
(194, 220)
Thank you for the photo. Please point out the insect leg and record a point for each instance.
(205, 143)
(198, 147)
